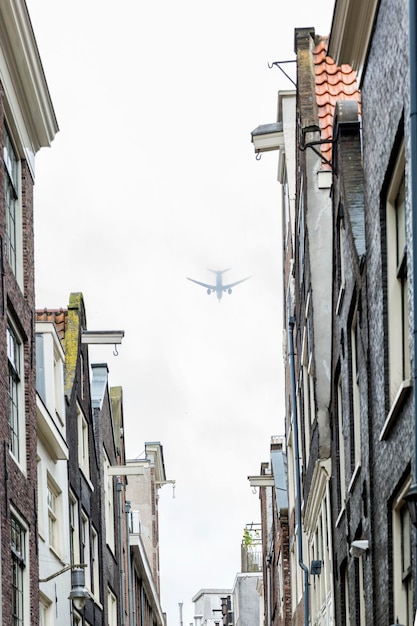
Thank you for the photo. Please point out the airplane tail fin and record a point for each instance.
(219, 271)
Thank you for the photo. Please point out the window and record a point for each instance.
(40, 368)
(109, 502)
(340, 257)
(52, 498)
(11, 195)
(301, 236)
(340, 446)
(344, 587)
(359, 562)
(15, 392)
(74, 531)
(18, 547)
(402, 573)
(355, 450)
(83, 450)
(397, 300)
(44, 610)
(85, 548)
(59, 385)
(94, 556)
(111, 608)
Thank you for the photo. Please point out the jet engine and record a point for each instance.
(208, 292)
(229, 291)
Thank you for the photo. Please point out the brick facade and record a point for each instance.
(18, 481)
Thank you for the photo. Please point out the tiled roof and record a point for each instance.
(58, 316)
(333, 83)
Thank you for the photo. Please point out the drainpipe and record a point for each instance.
(122, 569)
(268, 588)
(412, 16)
(291, 323)
(129, 568)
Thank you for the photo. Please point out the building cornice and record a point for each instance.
(352, 26)
(23, 79)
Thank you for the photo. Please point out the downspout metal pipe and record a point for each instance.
(412, 17)
(268, 561)
(122, 569)
(291, 324)
(129, 567)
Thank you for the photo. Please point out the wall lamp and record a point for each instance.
(358, 547)
(79, 594)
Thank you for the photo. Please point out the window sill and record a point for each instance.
(340, 517)
(340, 299)
(395, 408)
(354, 477)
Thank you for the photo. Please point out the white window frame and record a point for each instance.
(96, 564)
(356, 443)
(397, 283)
(85, 542)
(83, 443)
(111, 608)
(59, 385)
(13, 194)
(74, 530)
(341, 444)
(45, 606)
(402, 539)
(16, 396)
(19, 581)
(109, 502)
(53, 501)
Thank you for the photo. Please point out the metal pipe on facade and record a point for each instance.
(268, 588)
(122, 569)
(412, 19)
(129, 568)
(291, 324)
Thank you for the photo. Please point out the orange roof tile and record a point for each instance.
(59, 317)
(333, 83)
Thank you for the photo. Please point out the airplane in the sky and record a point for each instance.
(219, 288)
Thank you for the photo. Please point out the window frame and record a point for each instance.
(53, 494)
(13, 209)
(16, 397)
(402, 597)
(399, 364)
(19, 582)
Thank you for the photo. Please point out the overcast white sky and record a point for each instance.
(153, 178)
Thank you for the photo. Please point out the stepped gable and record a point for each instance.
(333, 83)
(58, 316)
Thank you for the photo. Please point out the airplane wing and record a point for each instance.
(230, 285)
(213, 287)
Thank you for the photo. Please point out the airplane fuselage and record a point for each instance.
(219, 287)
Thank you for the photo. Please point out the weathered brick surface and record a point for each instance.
(385, 97)
(384, 464)
(17, 488)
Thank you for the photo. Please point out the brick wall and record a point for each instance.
(18, 488)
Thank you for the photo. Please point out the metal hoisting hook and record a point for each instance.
(115, 352)
(278, 65)
(258, 156)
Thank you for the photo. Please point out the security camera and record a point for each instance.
(358, 547)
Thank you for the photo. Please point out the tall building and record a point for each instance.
(28, 123)
(349, 268)
(52, 461)
(376, 251)
(92, 499)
